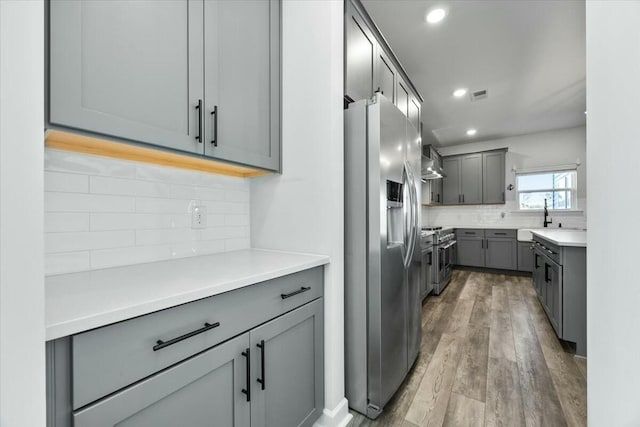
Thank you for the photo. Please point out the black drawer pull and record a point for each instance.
(262, 348)
(299, 291)
(469, 232)
(162, 344)
(247, 391)
(199, 118)
(500, 234)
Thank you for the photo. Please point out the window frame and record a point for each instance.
(573, 190)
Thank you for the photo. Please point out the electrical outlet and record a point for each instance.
(199, 217)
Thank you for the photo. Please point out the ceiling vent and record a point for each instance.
(479, 94)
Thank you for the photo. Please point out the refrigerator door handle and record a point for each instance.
(413, 196)
(409, 237)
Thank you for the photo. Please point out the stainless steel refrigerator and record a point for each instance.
(382, 256)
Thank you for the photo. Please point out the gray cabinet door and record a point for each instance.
(436, 186)
(414, 111)
(471, 179)
(471, 251)
(242, 81)
(128, 69)
(553, 279)
(402, 96)
(501, 253)
(427, 273)
(451, 183)
(537, 273)
(385, 76)
(525, 256)
(493, 171)
(288, 389)
(360, 48)
(203, 391)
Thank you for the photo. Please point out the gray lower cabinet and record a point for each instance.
(201, 77)
(559, 278)
(426, 282)
(471, 251)
(206, 390)
(493, 180)
(490, 248)
(501, 253)
(289, 366)
(525, 256)
(241, 111)
(250, 357)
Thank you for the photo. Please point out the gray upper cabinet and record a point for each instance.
(463, 183)
(493, 181)
(203, 391)
(360, 52)
(289, 363)
(414, 111)
(402, 97)
(197, 76)
(451, 183)
(131, 70)
(471, 179)
(242, 81)
(385, 76)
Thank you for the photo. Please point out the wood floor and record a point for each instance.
(489, 357)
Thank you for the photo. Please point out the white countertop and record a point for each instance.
(81, 301)
(561, 237)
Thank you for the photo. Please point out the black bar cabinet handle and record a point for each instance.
(546, 272)
(500, 234)
(299, 291)
(214, 113)
(199, 110)
(247, 391)
(536, 260)
(430, 258)
(162, 344)
(261, 346)
(438, 197)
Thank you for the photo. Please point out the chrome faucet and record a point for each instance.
(546, 214)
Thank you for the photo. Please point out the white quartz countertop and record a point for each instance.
(81, 301)
(561, 237)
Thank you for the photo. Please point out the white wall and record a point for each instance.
(102, 212)
(22, 373)
(302, 209)
(557, 147)
(613, 141)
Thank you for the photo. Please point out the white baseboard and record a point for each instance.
(336, 417)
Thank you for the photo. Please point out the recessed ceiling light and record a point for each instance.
(459, 93)
(471, 132)
(436, 15)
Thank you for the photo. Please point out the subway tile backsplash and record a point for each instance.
(102, 212)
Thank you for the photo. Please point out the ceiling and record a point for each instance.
(528, 55)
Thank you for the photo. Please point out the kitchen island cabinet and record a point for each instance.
(560, 281)
(259, 349)
(201, 77)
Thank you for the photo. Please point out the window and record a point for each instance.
(558, 188)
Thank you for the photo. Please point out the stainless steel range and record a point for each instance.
(444, 256)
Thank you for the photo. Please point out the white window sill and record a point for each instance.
(551, 211)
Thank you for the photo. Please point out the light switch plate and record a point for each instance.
(199, 217)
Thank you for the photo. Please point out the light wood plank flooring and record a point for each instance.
(489, 357)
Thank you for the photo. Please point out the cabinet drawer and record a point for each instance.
(109, 358)
(469, 232)
(501, 233)
(550, 250)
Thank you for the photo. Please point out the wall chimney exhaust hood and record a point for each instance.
(430, 170)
